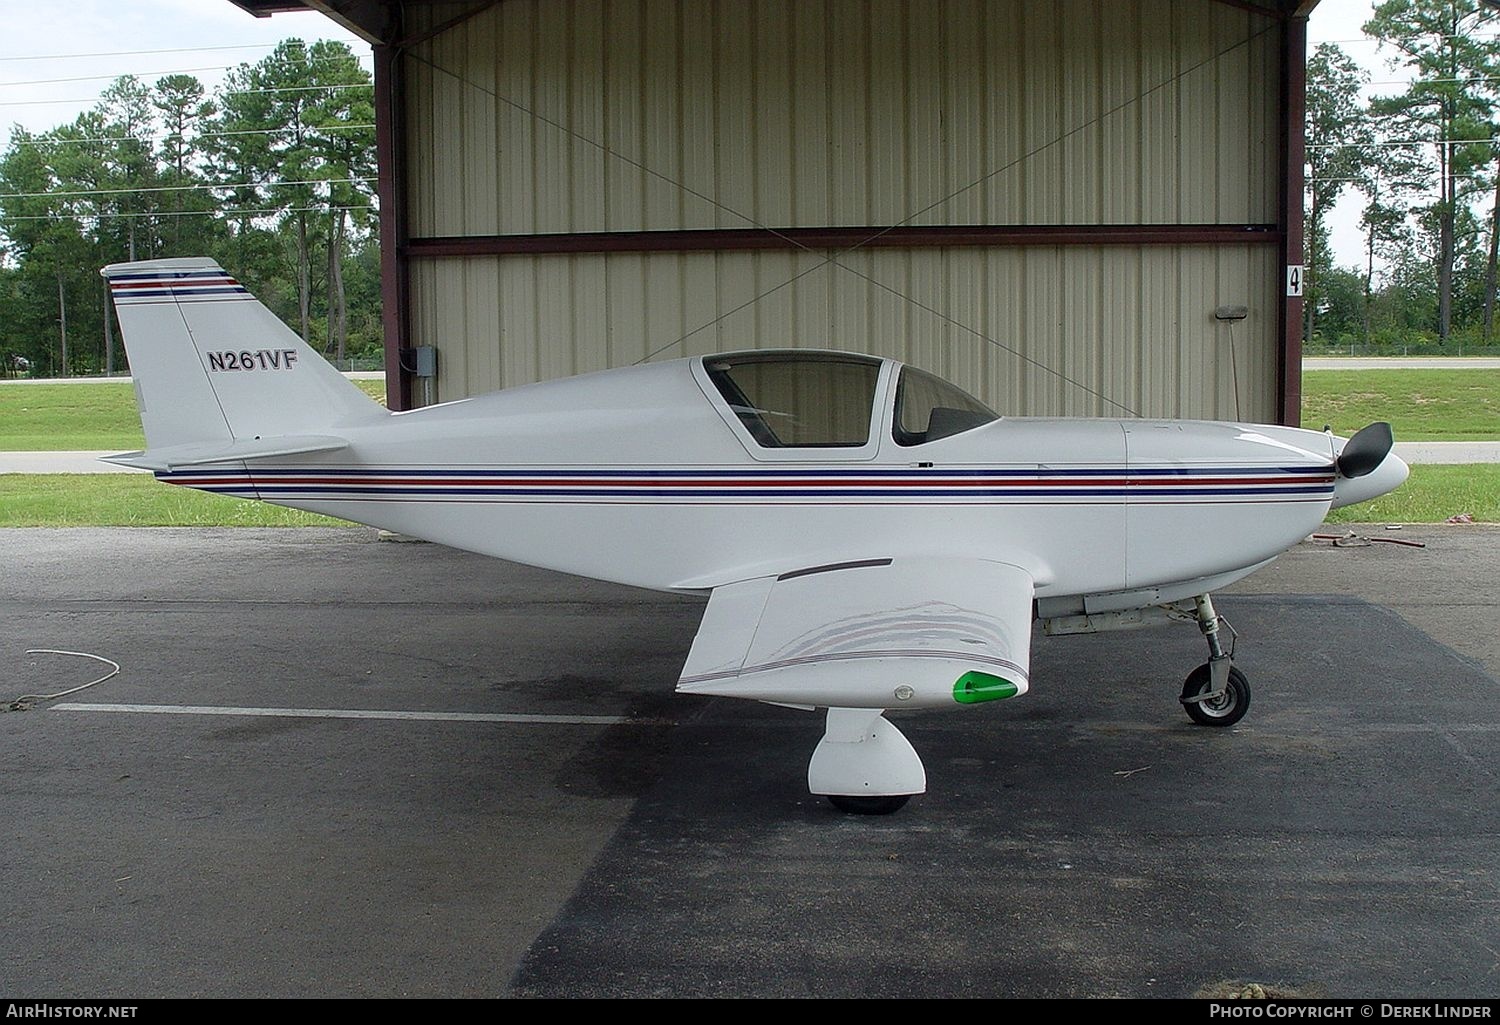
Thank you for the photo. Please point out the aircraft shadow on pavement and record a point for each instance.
(1085, 839)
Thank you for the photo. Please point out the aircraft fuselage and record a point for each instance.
(643, 476)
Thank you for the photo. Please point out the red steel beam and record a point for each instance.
(845, 238)
(395, 275)
(1290, 213)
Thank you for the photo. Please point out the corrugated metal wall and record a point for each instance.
(622, 115)
(1016, 326)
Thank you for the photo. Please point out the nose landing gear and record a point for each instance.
(1216, 693)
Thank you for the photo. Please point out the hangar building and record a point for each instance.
(1045, 201)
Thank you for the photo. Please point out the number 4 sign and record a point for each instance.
(1294, 279)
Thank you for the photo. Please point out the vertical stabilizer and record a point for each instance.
(213, 365)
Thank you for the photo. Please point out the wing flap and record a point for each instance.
(728, 629)
(879, 634)
(170, 458)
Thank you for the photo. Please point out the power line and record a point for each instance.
(180, 188)
(137, 53)
(174, 135)
(191, 213)
(1397, 142)
(1378, 41)
(339, 58)
(1443, 81)
(1454, 175)
(88, 100)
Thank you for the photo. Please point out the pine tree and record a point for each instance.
(1436, 42)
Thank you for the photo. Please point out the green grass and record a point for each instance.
(62, 417)
(1431, 495)
(1421, 405)
(133, 500)
(82, 417)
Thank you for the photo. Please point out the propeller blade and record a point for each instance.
(1366, 450)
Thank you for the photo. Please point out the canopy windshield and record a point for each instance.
(799, 399)
(929, 408)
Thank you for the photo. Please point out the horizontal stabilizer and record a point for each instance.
(171, 458)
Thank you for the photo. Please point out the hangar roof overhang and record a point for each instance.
(378, 22)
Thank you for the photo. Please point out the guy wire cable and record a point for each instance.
(834, 258)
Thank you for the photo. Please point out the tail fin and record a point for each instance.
(216, 371)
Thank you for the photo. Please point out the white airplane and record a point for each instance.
(870, 537)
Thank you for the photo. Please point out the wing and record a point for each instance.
(885, 633)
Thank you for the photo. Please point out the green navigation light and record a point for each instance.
(973, 687)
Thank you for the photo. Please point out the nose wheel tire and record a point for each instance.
(1224, 709)
(869, 805)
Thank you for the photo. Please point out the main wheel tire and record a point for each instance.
(869, 805)
(1226, 709)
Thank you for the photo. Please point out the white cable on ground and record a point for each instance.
(20, 704)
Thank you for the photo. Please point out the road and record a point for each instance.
(1400, 363)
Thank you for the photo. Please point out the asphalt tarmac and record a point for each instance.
(368, 768)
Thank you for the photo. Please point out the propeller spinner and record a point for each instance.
(1366, 450)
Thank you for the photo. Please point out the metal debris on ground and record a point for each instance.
(1349, 539)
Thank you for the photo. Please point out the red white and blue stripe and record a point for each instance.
(734, 486)
(175, 286)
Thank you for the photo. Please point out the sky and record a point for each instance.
(1340, 21)
(45, 82)
(55, 58)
